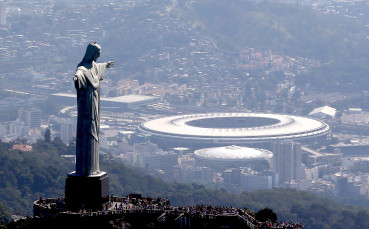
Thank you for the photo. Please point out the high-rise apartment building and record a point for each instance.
(147, 147)
(251, 181)
(67, 130)
(2, 14)
(148, 155)
(17, 128)
(193, 174)
(286, 161)
(30, 116)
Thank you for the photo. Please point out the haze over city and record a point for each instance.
(233, 98)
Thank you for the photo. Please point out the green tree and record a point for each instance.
(47, 135)
(266, 214)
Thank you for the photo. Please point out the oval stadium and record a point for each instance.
(220, 129)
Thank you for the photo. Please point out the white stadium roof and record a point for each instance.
(125, 100)
(323, 111)
(234, 127)
(232, 153)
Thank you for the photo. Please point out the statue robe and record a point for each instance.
(87, 84)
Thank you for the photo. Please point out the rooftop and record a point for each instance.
(233, 152)
(250, 126)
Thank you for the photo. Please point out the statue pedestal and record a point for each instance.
(86, 192)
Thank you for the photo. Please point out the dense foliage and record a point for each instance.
(4, 216)
(266, 214)
(25, 176)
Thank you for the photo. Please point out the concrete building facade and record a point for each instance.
(286, 161)
(30, 116)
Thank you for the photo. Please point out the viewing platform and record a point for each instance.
(145, 210)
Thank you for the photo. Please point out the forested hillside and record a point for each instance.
(4, 216)
(291, 29)
(25, 176)
(340, 44)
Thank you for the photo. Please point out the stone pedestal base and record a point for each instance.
(90, 193)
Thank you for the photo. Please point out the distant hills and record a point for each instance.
(287, 28)
(25, 176)
(339, 43)
(148, 36)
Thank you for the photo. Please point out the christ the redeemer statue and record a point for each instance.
(88, 187)
(87, 83)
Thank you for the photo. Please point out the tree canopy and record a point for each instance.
(25, 176)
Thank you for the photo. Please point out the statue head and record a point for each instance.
(92, 52)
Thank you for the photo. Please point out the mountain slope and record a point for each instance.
(291, 29)
(27, 176)
(140, 41)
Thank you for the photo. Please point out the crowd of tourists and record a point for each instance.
(208, 210)
(137, 203)
(52, 204)
(281, 225)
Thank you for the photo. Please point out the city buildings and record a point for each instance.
(67, 130)
(247, 179)
(195, 77)
(148, 156)
(26, 126)
(287, 161)
(2, 14)
(30, 116)
(251, 180)
(189, 174)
